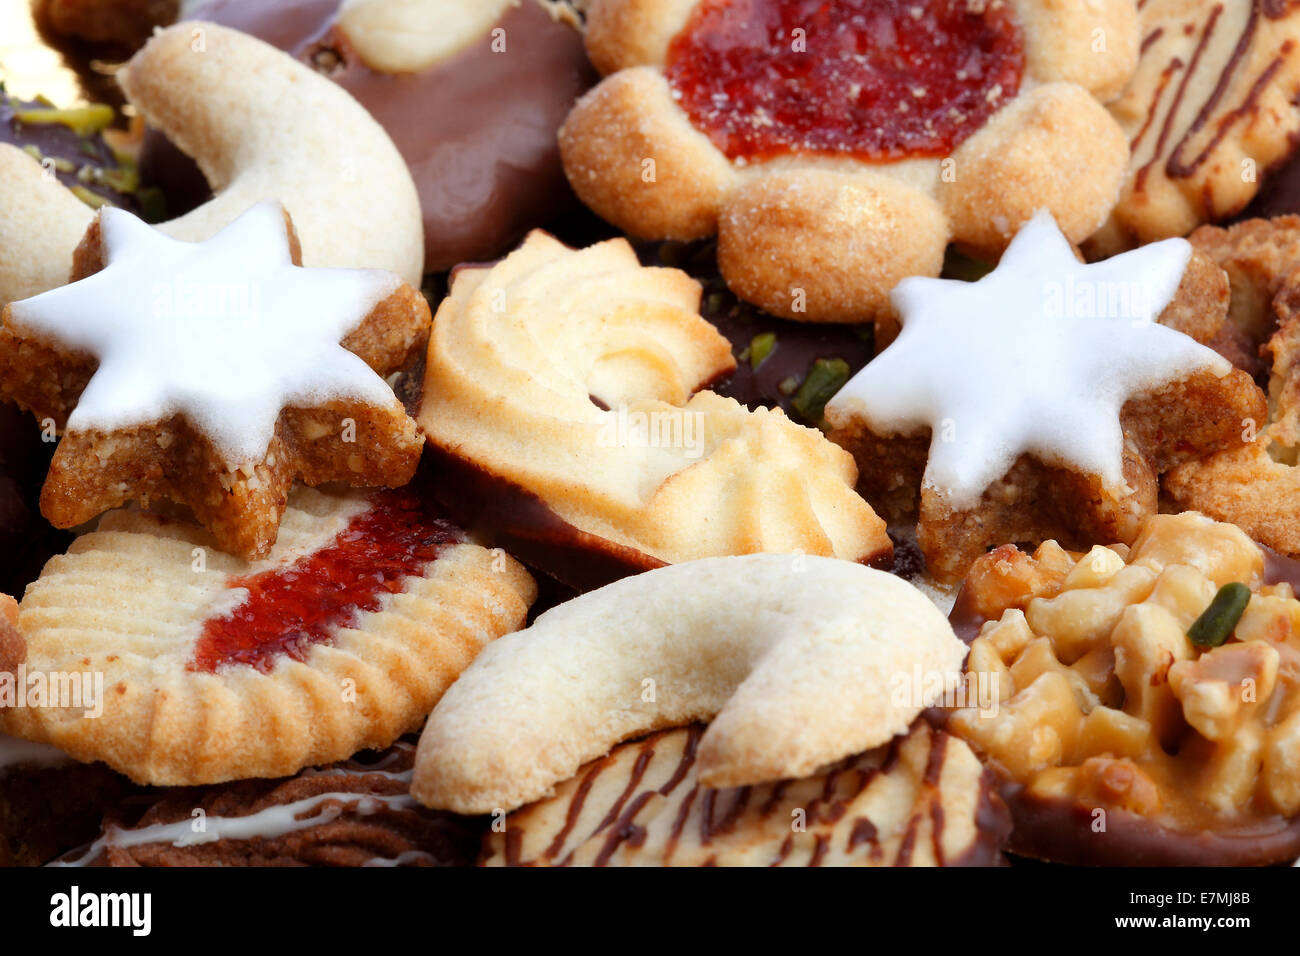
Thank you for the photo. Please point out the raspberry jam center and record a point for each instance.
(289, 609)
(876, 79)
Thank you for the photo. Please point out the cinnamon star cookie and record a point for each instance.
(212, 374)
(1042, 400)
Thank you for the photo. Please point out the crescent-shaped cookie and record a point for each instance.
(261, 126)
(793, 658)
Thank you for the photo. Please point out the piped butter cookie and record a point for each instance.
(561, 411)
(216, 669)
(836, 148)
(212, 374)
(1043, 400)
(1146, 709)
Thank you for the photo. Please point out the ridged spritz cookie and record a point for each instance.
(214, 668)
(561, 409)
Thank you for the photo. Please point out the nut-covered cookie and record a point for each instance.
(1148, 710)
(1042, 400)
(921, 800)
(561, 412)
(837, 148)
(213, 668)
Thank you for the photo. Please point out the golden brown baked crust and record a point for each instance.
(133, 601)
(1052, 147)
(921, 800)
(12, 646)
(567, 376)
(1211, 108)
(1256, 486)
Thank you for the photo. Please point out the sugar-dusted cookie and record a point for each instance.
(836, 148)
(1212, 108)
(1257, 485)
(213, 374)
(1041, 401)
(471, 93)
(12, 646)
(261, 126)
(1149, 712)
(216, 669)
(559, 411)
(357, 812)
(795, 660)
(921, 800)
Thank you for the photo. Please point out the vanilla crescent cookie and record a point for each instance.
(796, 660)
(558, 408)
(923, 799)
(217, 669)
(829, 174)
(261, 126)
(1212, 108)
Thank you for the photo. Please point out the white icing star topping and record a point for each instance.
(226, 332)
(1038, 357)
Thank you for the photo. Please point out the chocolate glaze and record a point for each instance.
(57, 142)
(477, 131)
(27, 540)
(1060, 831)
(523, 524)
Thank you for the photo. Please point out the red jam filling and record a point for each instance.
(289, 609)
(876, 79)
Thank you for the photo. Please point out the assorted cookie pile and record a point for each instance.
(653, 432)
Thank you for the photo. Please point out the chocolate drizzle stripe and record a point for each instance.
(575, 808)
(644, 755)
(820, 846)
(687, 760)
(1167, 126)
(1175, 167)
(904, 857)
(864, 831)
(679, 824)
(1151, 38)
(1166, 75)
(624, 830)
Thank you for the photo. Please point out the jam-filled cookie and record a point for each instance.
(212, 374)
(1211, 111)
(561, 411)
(1257, 485)
(357, 812)
(1147, 711)
(216, 669)
(1043, 400)
(813, 753)
(471, 93)
(836, 148)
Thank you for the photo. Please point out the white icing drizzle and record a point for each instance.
(269, 823)
(16, 752)
(227, 332)
(402, 859)
(1038, 356)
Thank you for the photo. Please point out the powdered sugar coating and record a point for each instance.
(226, 332)
(1037, 357)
